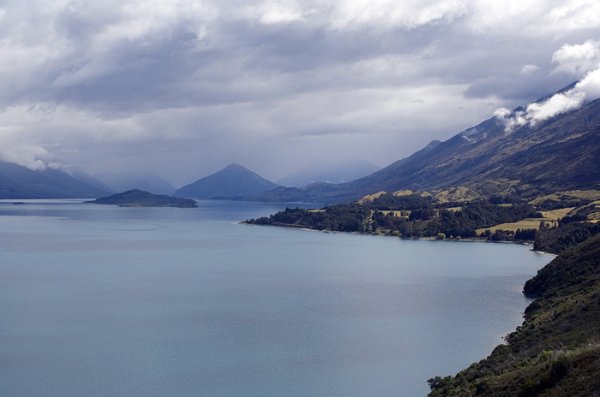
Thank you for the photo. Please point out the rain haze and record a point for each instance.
(183, 88)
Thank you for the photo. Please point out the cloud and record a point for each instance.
(31, 156)
(577, 14)
(391, 14)
(529, 69)
(181, 87)
(579, 58)
(281, 13)
(587, 89)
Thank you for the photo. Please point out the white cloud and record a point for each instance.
(190, 83)
(273, 17)
(14, 150)
(33, 136)
(529, 69)
(389, 13)
(577, 59)
(280, 12)
(533, 17)
(575, 15)
(590, 84)
(586, 89)
(555, 105)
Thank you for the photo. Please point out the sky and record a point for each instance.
(182, 88)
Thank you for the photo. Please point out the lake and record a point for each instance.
(107, 301)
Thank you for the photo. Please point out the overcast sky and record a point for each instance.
(182, 88)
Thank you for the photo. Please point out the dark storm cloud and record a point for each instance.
(185, 87)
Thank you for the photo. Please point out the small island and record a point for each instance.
(140, 198)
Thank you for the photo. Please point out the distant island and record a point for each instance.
(140, 198)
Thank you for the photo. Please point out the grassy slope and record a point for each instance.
(551, 218)
(556, 352)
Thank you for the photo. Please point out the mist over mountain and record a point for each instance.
(501, 155)
(177, 87)
(232, 181)
(331, 172)
(20, 182)
(123, 181)
(90, 180)
(558, 152)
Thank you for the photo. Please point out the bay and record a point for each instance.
(107, 301)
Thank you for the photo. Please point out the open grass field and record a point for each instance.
(550, 217)
(568, 195)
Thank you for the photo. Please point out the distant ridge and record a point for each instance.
(332, 172)
(233, 181)
(17, 181)
(560, 153)
(123, 180)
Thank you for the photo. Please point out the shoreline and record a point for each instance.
(532, 301)
(554, 347)
(466, 240)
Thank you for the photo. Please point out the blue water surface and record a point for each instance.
(108, 301)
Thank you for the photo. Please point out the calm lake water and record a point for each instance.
(108, 301)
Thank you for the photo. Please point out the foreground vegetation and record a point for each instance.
(412, 216)
(556, 351)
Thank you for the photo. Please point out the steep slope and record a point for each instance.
(231, 182)
(20, 182)
(563, 151)
(560, 153)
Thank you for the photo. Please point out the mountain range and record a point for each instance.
(560, 153)
(20, 182)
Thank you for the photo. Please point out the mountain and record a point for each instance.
(232, 181)
(559, 154)
(336, 172)
(122, 181)
(20, 182)
(139, 198)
